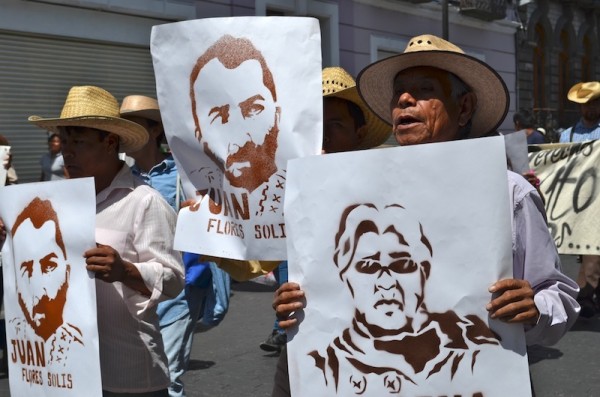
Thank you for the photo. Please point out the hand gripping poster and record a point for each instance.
(395, 250)
(49, 297)
(239, 97)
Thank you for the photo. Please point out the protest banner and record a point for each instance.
(396, 270)
(239, 97)
(49, 297)
(516, 151)
(568, 175)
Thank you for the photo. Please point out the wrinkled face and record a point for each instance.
(54, 145)
(591, 111)
(422, 107)
(237, 118)
(41, 276)
(387, 276)
(84, 151)
(339, 129)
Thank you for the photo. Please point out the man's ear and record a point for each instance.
(112, 141)
(361, 133)
(466, 107)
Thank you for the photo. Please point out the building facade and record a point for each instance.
(47, 46)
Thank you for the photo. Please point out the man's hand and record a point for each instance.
(513, 302)
(288, 299)
(108, 266)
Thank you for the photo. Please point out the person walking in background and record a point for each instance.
(53, 166)
(177, 317)
(524, 122)
(587, 95)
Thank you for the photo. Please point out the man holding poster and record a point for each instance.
(133, 261)
(435, 93)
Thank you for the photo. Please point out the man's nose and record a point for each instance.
(406, 100)
(386, 284)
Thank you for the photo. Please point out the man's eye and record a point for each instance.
(403, 265)
(221, 112)
(48, 263)
(252, 106)
(368, 266)
(27, 268)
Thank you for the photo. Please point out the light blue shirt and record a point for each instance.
(580, 134)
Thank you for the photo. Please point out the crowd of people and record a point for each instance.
(433, 92)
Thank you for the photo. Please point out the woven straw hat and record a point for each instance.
(140, 106)
(584, 92)
(339, 84)
(375, 82)
(93, 107)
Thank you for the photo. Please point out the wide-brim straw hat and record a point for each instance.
(339, 84)
(94, 107)
(140, 106)
(376, 81)
(584, 92)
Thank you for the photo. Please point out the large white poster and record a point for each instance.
(395, 250)
(239, 97)
(49, 297)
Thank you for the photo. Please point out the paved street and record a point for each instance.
(226, 360)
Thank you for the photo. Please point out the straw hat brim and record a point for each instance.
(378, 130)
(150, 114)
(375, 85)
(132, 135)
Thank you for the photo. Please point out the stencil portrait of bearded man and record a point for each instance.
(238, 127)
(235, 109)
(42, 275)
(385, 258)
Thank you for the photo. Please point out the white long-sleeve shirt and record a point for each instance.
(138, 223)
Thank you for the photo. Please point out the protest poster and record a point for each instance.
(239, 97)
(569, 182)
(394, 251)
(4, 155)
(49, 297)
(516, 151)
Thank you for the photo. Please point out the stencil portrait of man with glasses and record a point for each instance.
(385, 258)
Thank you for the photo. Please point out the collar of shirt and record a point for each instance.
(123, 180)
(160, 168)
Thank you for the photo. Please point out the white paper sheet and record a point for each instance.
(4, 153)
(239, 97)
(362, 265)
(516, 151)
(49, 297)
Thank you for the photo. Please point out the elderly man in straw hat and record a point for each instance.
(434, 92)
(134, 263)
(587, 95)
